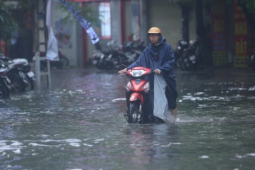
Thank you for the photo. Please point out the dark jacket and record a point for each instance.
(160, 57)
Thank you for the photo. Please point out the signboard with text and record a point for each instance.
(241, 54)
(219, 34)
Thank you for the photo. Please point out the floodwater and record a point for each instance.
(78, 124)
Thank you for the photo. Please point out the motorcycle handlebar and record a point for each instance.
(124, 72)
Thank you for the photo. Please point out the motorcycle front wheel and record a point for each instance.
(134, 116)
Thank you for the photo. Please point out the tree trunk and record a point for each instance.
(200, 29)
(185, 22)
(203, 37)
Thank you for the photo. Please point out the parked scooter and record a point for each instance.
(189, 57)
(115, 56)
(19, 73)
(129, 53)
(178, 53)
(138, 96)
(103, 59)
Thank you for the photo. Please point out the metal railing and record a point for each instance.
(39, 72)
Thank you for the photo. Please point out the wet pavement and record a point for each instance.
(78, 124)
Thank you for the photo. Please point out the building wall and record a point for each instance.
(128, 19)
(115, 21)
(144, 10)
(66, 33)
(167, 17)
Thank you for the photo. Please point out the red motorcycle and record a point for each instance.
(138, 96)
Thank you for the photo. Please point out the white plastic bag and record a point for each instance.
(52, 50)
(160, 101)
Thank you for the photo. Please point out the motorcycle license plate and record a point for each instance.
(30, 74)
(192, 57)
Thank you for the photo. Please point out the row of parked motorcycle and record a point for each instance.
(119, 56)
(186, 55)
(115, 56)
(15, 76)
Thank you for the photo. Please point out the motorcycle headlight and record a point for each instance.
(137, 73)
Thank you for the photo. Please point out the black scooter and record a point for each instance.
(103, 59)
(129, 53)
(190, 57)
(178, 53)
(18, 72)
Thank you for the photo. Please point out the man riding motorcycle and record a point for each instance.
(159, 56)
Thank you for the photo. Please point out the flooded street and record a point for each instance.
(78, 124)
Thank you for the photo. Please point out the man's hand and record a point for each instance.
(157, 71)
(122, 72)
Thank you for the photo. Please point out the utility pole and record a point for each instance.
(41, 39)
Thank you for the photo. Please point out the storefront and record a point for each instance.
(121, 20)
(230, 35)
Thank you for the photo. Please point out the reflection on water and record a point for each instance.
(80, 125)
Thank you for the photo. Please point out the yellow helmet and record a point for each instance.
(154, 30)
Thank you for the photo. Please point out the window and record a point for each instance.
(105, 17)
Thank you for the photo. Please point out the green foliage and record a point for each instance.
(7, 22)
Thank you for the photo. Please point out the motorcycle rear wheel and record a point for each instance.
(64, 62)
